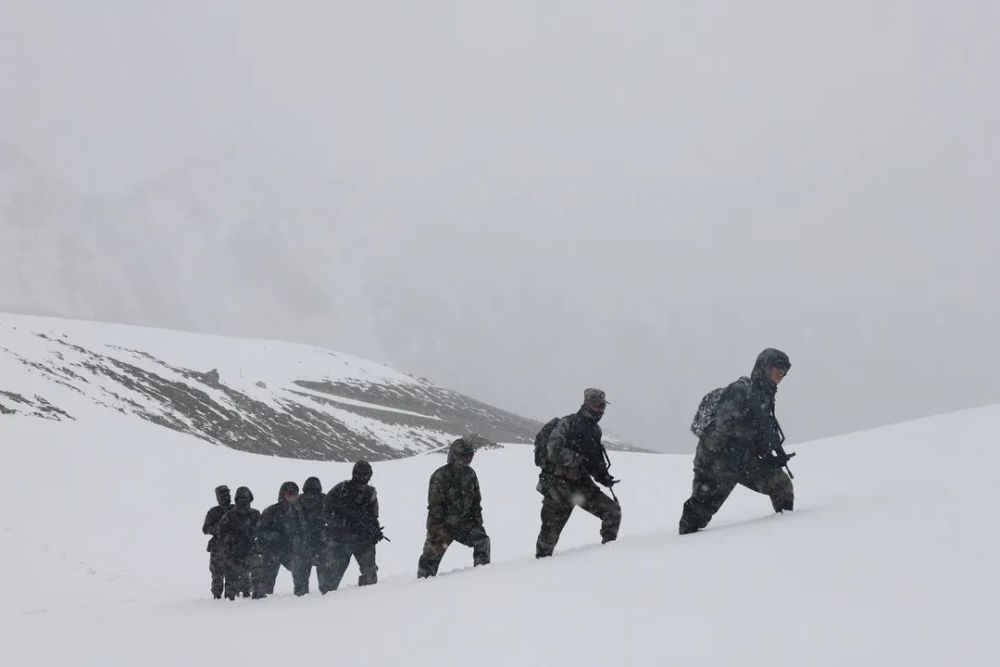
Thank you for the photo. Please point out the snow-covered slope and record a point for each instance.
(889, 559)
(258, 396)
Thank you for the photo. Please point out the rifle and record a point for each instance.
(775, 444)
(607, 469)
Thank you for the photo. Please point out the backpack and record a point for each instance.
(542, 440)
(706, 409)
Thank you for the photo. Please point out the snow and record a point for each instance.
(889, 558)
(63, 361)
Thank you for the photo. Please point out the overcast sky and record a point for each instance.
(535, 197)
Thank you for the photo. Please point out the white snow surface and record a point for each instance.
(889, 559)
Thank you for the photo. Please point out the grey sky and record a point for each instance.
(522, 199)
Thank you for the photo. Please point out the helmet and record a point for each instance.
(312, 485)
(243, 496)
(362, 471)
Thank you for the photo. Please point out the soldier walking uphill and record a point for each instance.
(351, 511)
(238, 534)
(572, 457)
(308, 548)
(454, 511)
(275, 537)
(740, 444)
(216, 564)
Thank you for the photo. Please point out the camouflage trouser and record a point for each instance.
(439, 538)
(712, 486)
(270, 563)
(559, 497)
(241, 574)
(338, 557)
(303, 562)
(217, 566)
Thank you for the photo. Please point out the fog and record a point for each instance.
(519, 200)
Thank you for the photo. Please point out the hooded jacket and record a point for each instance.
(744, 422)
(453, 496)
(278, 525)
(238, 527)
(212, 518)
(309, 511)
(351, 511)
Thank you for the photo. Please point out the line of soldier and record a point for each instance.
(739, 443)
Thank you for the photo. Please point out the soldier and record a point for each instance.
(238, 535)
(574, 458)
(735, 447)
(307, 545)
(275, 534)
(211, 527)
(351, 510)
(454, 511)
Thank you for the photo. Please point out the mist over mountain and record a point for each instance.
(524, 201)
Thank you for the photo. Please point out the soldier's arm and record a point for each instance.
(556, 446)
(436, 500)
(373, 505)
(477, 500)
(333, 503)
(597, 466)
(210, 525)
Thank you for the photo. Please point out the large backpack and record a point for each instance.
(542, 440)
(706, 409)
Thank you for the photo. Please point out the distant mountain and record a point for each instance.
(258, 396)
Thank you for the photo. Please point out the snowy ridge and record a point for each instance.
(258, 396)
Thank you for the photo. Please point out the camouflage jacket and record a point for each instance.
(211, 525)
(238, 532)
(277, 529)
(743, 427)
(311, 524)
(351, 511)
(575, 450)
(453, 497)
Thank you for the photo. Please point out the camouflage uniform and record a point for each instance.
(275, 535)
(351, 510)
(575, 458)
(734, 447)
(307, 547)
(454, 511)
(238, 535)
(211, 527)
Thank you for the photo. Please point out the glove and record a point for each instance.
(777, 460)
(607, 480)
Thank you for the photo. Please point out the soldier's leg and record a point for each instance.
(773, 482)
(262, 576)
(605, 509)
(555, 514)
(338, 557)
(435, 545)
(708, 492)
(217, 566)
(476, 537)
(267, 574)
(301, 569)
(365, 555)
(324, 569)
(237, 579)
